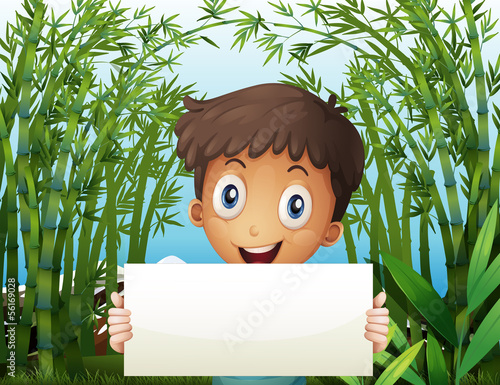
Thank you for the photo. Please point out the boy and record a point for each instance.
(274, 170)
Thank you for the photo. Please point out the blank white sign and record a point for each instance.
(248, 319)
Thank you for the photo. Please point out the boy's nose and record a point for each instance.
(254, 231)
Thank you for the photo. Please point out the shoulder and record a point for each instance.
(171, 259)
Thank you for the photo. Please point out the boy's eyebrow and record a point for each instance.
(299, 167)
(237, 161)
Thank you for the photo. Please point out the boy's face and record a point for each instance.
(269, 209)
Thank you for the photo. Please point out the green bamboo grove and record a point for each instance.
(415, 67)
(92, 98)
(86, 145)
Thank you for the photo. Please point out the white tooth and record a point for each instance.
(263, 249)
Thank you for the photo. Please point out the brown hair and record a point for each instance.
(277, 115)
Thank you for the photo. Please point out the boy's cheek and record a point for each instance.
(216, 228)
(305, 238)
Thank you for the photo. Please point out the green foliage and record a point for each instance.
(423, 296)
(435, 361)
(483, 340)
(407, 90)
(482, 281)
(399, 365)
(86, 93)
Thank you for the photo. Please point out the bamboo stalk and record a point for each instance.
(81, 289)
(376, 228)
(350, 246)
(59, 343)
(63, 238)
(22, 161)
(111, 242)
(142, 172)
(395, 297)
(451, 244)
(429, 180)
(3, 238)
(8, 211)
(461, 252)
(24, 328)
(44, 303)
(425, 267)
(483, 146)
(126, 168)
(83, 294)
(119, 179)
(160, 183)
(375, 222)
(9, 205)
(30, 46)
(482, 103)
(414, 316)
(387, 192)
(435, 41)
(68, 265)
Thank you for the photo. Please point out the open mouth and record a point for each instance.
(265, 254)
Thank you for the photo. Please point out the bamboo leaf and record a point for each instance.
(480, 258)
(385, 358)
(351, 380)
(399, 365)
(484, 339)
(209, 41)
(422, 295)
(488, 282)
(438, 374)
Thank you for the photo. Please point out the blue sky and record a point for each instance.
(216, 72)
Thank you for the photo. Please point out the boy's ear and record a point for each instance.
(333, 234)
(195, 213)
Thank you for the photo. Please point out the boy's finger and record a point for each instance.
(381, 320)
(120, 328)
(116, 346)
(379, 346)
(125, 312)
(376, 328)
(117, 299)
(380, 311)
(375, 337)
(115, 320)
(122, 337)
(379, 300)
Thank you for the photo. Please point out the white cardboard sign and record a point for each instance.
(248, 319)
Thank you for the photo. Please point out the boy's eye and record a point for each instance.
(295, 207)
(229, 197)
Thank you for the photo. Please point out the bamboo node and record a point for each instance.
(47, 346)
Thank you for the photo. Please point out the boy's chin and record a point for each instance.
(261, 254)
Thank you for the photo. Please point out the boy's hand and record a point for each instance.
(377, 321)
(119, 322)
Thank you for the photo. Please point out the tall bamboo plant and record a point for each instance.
(87, 144)
(415, 65)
